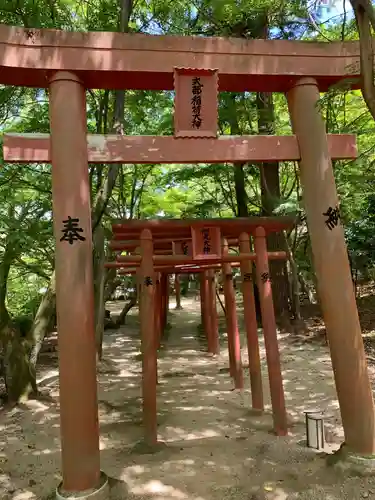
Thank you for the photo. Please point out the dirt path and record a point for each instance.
(216, 448)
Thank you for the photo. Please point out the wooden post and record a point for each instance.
(157, 321)
(177, 288)
(332, 269)
(158, 311)
(213, 339)
(167, 295)
(229, 337)
(149, 358)
(163, 291)
(206, 308)
(270, 334)
(74, 285)
(138, 280)
(251, 326)
(234, 345)
(201, 295)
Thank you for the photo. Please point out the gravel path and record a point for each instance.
(215, 449)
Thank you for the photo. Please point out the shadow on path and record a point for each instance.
(216, 448)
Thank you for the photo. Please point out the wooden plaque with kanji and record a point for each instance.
(206, 242)
(195, 105)
(183, 248)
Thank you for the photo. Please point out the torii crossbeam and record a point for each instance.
(35, 148)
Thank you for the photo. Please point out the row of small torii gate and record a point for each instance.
(198, 247)
(196, 69)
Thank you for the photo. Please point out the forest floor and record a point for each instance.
(216, 448)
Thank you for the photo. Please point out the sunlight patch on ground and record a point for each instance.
(6, 484)
(158, 488)
(50, 374)
(275, 493)
(24, 495)
(46, 451)
(37, 407)
(201, 408)
(155, 487)
(126, 373)
(47, 417)
(172, 434)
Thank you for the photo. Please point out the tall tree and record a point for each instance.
(365, 20)
(106, 184)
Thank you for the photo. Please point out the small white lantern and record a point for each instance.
(314, 429)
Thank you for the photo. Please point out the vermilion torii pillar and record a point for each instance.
(74, 285)
(177, 290)
(234, 345)
(251, 326)
(270, 334)
(149, 339)
(332, 269)
(202, 299)
(158, 312)
(213, 332)
(205, 310)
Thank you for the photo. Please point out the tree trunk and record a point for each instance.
(4, 274)
(270, 196)
(104, 194)
(40, 325)
(270, 190)
(365, 20)
(111, 283)
(131, 303)
(16, 365)
(16, 368)
(307, 290)
(220, 301)
(99, 281)
(294, 292)
(239, 174)
(241, 195)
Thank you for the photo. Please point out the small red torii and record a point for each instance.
(206, 246)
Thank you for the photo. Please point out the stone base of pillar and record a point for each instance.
(348, 462)
(101, 493)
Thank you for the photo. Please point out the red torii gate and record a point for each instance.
(68, 63)
(202, 257)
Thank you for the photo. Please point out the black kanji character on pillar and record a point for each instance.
(265, 277)
(148, 281)
(71, 231)
(247, 277)
(333, 215)
(229, 276)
